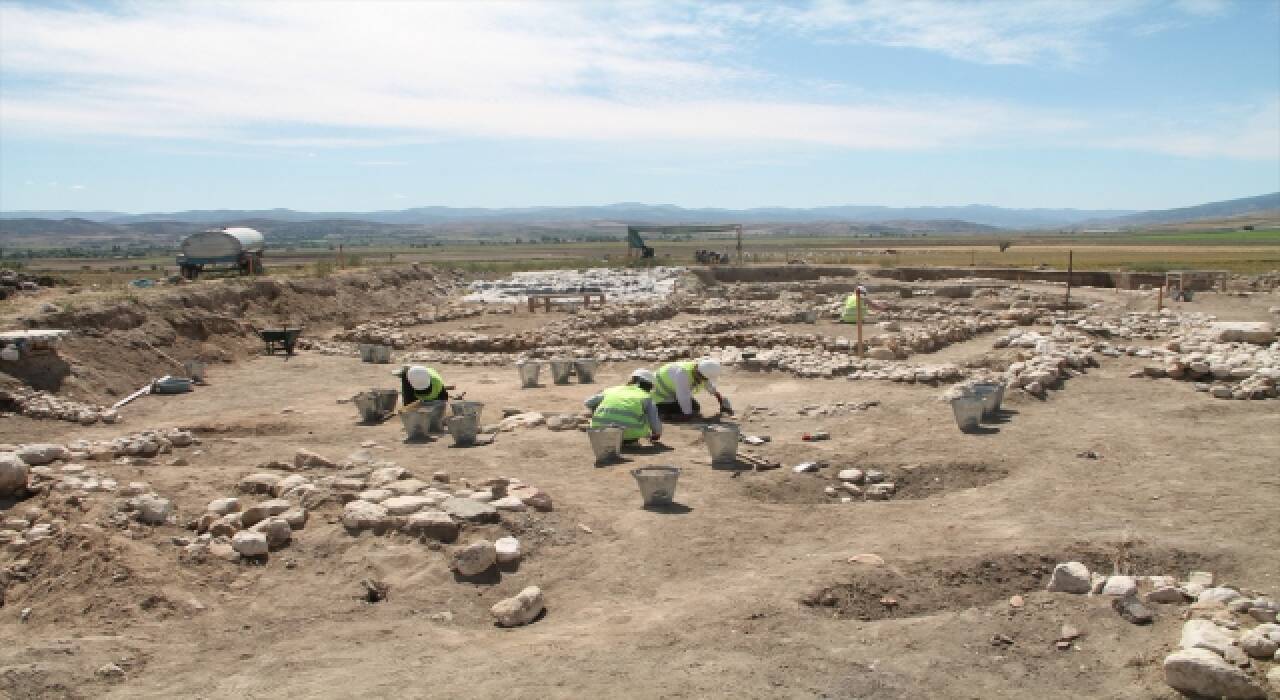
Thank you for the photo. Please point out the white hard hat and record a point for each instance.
(861, 289)
(418, 376)
(645, 375)
(709, 369)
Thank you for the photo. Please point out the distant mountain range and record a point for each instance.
(945, 218)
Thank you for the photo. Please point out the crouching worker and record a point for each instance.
(418, 383)
(629, 407)
(677, 382)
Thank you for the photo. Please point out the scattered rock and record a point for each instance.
(110, 672)
(1258, 645)
(1204, 634)
(432, 525)
(471, 510)
(363, 515)
(867, 559)
(259, 483)
(13, 475)
(222, 506)
(277, 531)
(1070, 577)
(1218, 595)
(406, 505)
(153, 510)
(507, 549)
(1166, 594)
(250, 544)
(523, 608)
(535, 498)
(1120, 586)
(473, 559)
(306, 459)
(1203, 673)
(1131, 610)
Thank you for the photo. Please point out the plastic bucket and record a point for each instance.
(560, 370)
(586, 370)
(811, 317)
(367, 404)
(722, 443)
(387, 399)
(380, 354)
(417, 424)
(435, 414)
(991, 394)
(529, 373)
(657, 484)
(606, 443)
(194, 369)
(968, 412)
(464, 428)
(366, 352)
(466, 408)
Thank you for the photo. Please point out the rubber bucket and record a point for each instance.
(367, 404)
(606, 443)
(387, 399)
(811, 317)
(417, 424)
(366, 352)
(722, 443)
(560, 370)
(657, 484)
(464, 428)
(968, 412)
(991, 394)
(586, 370)
(435, 415)
(380, 354)
(529, 374)
(194, 369)
(466, 408)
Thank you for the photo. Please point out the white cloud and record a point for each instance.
(311, 75)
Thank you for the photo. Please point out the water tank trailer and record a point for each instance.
(237, 248)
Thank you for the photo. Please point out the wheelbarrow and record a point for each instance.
(279, 339)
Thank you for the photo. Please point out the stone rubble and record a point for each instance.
(34, 403)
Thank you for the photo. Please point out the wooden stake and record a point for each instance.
(1159, 299)
(860, 301)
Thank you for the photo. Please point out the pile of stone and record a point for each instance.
(1054, 358)
(1219, 364)
(77, 484)
(389, 330)
(1230, 644)
(231, 530)
(19, 532)
(34, 403)
(865, 485)
(333, 348)
(645, 284)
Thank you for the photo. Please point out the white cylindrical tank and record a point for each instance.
(221, 244)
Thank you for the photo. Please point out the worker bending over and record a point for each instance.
(418, 383)
(677, 382)
(629, 407)
(859, 300)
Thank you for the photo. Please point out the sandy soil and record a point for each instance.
(723, 595)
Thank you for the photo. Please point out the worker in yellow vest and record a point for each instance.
(629, 407)
(859, 299)
(676, 383)
(419, 383)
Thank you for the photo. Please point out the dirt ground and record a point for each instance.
(744, 589)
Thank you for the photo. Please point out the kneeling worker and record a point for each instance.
(858, 302)
(418, 383)
(628, 406)
(677, 382)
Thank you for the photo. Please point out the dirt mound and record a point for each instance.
(943, 584)
(119, 343)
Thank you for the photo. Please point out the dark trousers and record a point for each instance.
(671, 409)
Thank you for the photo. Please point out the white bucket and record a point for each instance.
(968, 412)
(529, 373)
(586, 370)
(464, 428)
(435, 414)
(657, 484)
(606, 443)
(417, 424)
(560, 370)
(722, 443)
(194, 369)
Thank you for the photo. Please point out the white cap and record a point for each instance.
(418, 376)
(709, 369)
(644, 374)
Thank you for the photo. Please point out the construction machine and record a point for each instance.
(636, 247)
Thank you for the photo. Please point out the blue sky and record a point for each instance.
(1130, 104)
